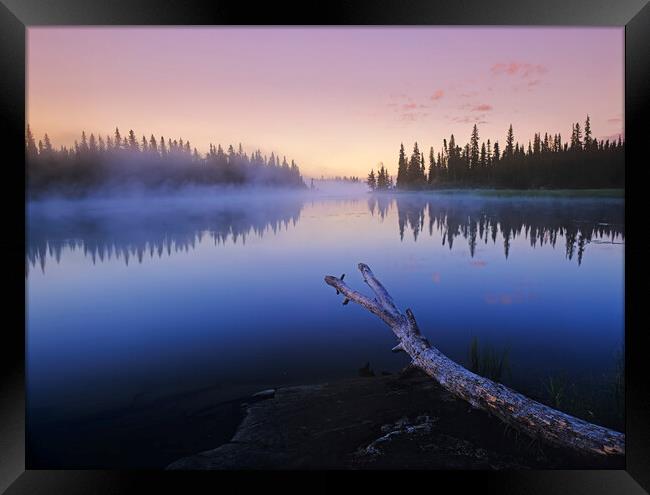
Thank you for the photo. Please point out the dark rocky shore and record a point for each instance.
(403, 421)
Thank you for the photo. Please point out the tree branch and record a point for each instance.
(536, 420)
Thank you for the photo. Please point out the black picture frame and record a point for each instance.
(17, 15)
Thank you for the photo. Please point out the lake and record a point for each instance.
(136, 303)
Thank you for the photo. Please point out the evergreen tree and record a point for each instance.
(414, 169)
(488, 162)
(371, 181)
(30, 144)
(576, 138)
(48, 144)
(432, 167)
(510, 140)
(92, 143)
(83, 147)
(588, 140)
(474, 148)
(382, 178)
(422, 175)
(483, 157)
(402, 169)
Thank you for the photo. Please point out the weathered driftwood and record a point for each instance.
(526, 415)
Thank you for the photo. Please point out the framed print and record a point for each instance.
(232, 216)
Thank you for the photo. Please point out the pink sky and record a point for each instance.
(338, 100)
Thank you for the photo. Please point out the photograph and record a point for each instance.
(325, 247)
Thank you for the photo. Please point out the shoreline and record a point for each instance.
(400, 421)
(512, 193)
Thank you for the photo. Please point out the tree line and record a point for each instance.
(547, 162)
(95, 161)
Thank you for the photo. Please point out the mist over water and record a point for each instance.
(156, 295)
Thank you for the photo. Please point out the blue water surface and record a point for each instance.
(153, 297)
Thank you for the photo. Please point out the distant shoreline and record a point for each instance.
(562, 193)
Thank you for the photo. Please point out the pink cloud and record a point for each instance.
(409, 106)
(521, 69)
(438, 94)
(468, 119)
(615, 120)
(412, 116)
(483, 107)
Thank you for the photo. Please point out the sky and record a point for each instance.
(337, 100)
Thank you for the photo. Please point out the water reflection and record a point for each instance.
(541, 221)
(135, 232)
(130, 232)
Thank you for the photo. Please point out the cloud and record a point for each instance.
(518, 69)
(468, 119)
(406, 109)
(615, 120)
(437, 95)
(412, 116)
(483, 107)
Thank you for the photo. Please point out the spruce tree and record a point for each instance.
(474, 148)
(92, 143)
(30, 144)
(371, 181)
(413, 173)
(483, 157)
(588, 134)
(402, 169)
(510, 141)
(432, 167)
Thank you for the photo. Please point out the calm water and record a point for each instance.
(135, 300)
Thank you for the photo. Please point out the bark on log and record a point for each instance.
(530, 417)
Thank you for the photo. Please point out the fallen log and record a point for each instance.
(530, 417)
